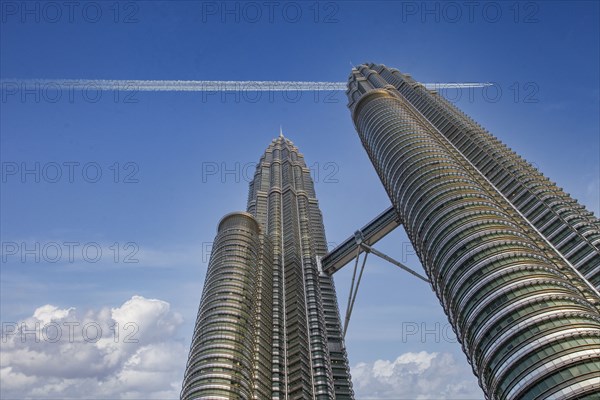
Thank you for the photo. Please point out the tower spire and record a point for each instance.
(280, 131)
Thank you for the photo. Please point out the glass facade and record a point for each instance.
(309, 355)
(222, 360)
(569, 227)
(284, 340)
(505, 249)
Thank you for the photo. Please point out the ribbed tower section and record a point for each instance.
(309, 356)
(528, 322)
(567, 225)
(268, 325)
(223, 361)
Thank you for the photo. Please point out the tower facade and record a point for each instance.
(568, 227)
(512, 259)
(268, 325)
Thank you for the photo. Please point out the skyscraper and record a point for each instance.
(567, 225)
(268, 324)
(513, 260)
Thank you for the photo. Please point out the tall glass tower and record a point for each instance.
(568, 226)
(513, 260)
(268, 325)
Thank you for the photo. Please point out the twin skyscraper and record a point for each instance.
(514, 261)
(268, 324)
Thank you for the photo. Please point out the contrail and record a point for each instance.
(201, 86)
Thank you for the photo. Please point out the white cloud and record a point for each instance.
(419, 375)
(144, 360)
(124, 352)
(48, 313)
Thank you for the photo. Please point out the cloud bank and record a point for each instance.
(115, 353)
(131, 352)
(419, 375)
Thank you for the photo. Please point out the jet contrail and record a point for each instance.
(201, 86)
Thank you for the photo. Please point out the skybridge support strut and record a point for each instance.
(362, 242)
(396, 263)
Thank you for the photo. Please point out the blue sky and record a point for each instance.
(164, 206)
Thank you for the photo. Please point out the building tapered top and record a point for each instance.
(266, 297)
(306, 319)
